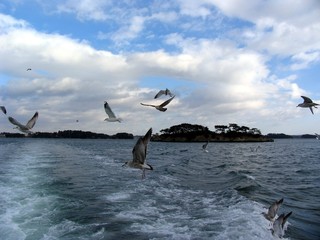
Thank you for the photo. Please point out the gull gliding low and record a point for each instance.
(139, 154)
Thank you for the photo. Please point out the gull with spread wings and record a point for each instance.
(139, 154)
(307, 103)
(25, 128)
(165, 92)
(112, 117)
(160, 107)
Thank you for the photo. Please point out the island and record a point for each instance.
(72, 134)
(186, 132)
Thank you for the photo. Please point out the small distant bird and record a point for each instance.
(25, 128)
(160, 107)
(317, 136)
(112, 116)
(139, 153)
(29, 69)
(273, 209)
(165, 92)
(279, 224)
(307, 103)
(3, 109)
(204, 146)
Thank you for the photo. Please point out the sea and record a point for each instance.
(78, 189)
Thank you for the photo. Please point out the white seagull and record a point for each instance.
(25, 128)
(307, 103)
(317, 136)
(279, 224)
(112, 117)
(160, 107)
(3, 109)
(204, 146)
(165, 92)
(273, 209)
(139, 153)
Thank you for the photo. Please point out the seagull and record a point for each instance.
(317, 136)
(273, 209)
(161, 106)
(139, 153)
(204, 146)
(3, 109)
(112, 117)
(279, 223)
(165, 92)
(29, 69)
(307, 103)
(25, 128)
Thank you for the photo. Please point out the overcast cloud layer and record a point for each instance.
(244, 62)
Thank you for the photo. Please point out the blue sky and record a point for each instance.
(238, 61)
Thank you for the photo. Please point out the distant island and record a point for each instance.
(71, 134)
(186, 132)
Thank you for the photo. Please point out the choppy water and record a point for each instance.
(77, 189)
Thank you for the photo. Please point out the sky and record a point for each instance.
(239, 61)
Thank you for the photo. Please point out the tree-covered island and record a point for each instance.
(186, 132)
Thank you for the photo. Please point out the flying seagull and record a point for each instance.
(204, 146)
(273, 209)
(317, 136)
(112, 117)
(139, 154)
(165, 92)
(160, 107)
(279, 223)
(25, 128)
(3, 109)
(307, 103)
(29, 69)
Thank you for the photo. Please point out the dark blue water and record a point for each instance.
(77, 189)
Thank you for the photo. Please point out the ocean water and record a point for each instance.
(77, 189)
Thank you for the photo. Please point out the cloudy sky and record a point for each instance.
(237, 61)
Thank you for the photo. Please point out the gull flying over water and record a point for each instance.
(307, 103)
(112, 117)
(139, 154)
(160, 107)
(273, 209)
(25, 128)
(278, 226)
(204, 146)
(3, 109)
(165, 92)
(317, 136)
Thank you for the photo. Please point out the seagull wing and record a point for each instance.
(108, 110)
(306, 99)
(169, 93)
(15, 122)
(139, 151)
(3, 109)
(150, 105)
(166, 102)
(204, 146)
(161, 92)
(311, 110)
(32, 121)
(285, 218)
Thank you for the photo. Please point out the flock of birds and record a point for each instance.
(139, 151)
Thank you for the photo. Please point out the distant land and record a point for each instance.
(186, 132)
(71, 134)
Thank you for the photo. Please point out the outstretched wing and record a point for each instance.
(3, 109)
(306, 99)
(139, 151)
(149, 105)
(108, 110)
(285, 218)
(15, 122)
(32, 121)
(161, 92)
(166, 102)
